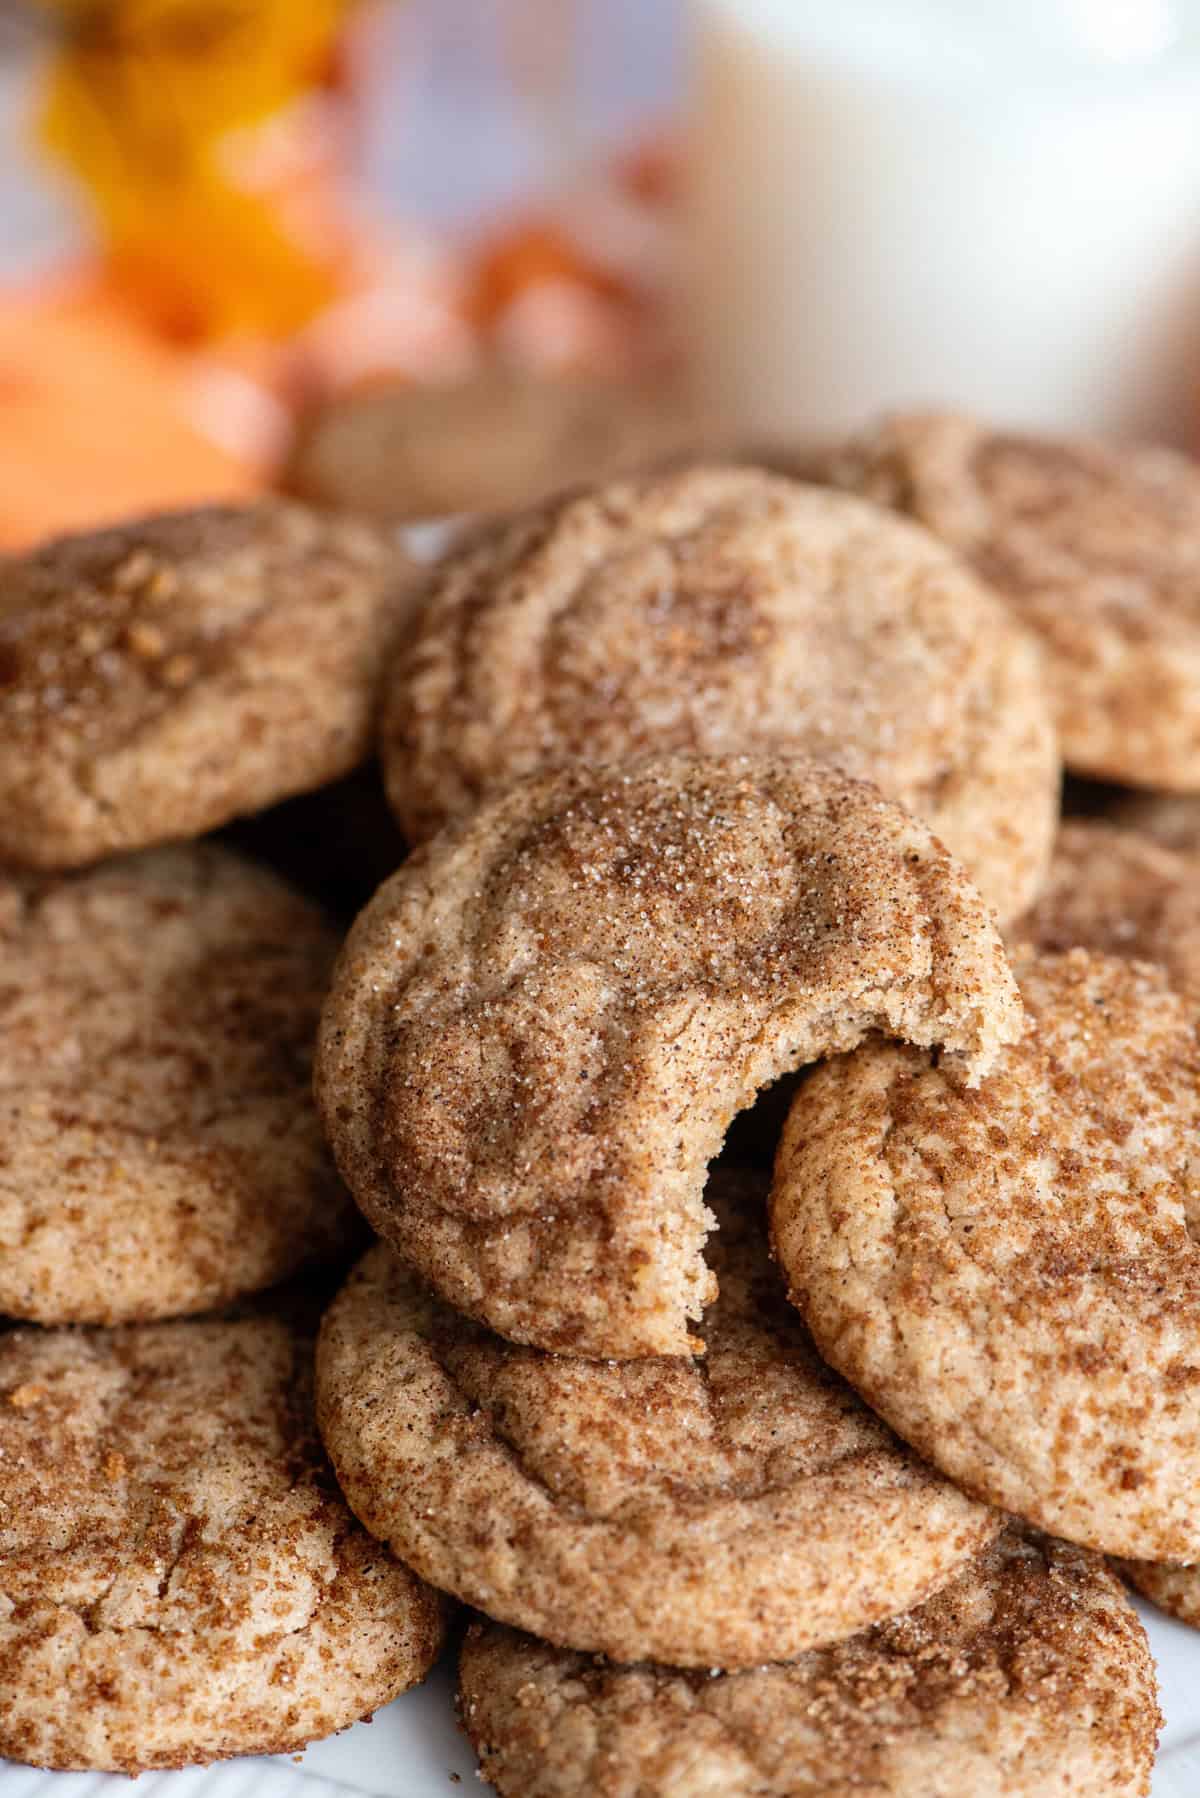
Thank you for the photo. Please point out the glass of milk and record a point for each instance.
(992, 204)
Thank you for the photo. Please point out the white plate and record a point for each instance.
(413, 1749)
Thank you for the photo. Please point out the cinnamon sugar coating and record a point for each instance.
(542, 1025)
(159, 1149)
(161, 677)
(1120, 893)
(1028, 1677)
(179, 1577)
(1095, 545)
(724, 610)
(728, 1510)
(1011, 1277)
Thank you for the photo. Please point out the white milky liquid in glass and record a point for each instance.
(984, 203)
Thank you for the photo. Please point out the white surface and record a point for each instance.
(413, 1748)
(1028, 36)
(934, 203)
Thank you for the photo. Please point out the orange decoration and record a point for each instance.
(206, 139)
(94, 419)
(532, 255)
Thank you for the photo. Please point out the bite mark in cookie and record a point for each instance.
(541, 1027)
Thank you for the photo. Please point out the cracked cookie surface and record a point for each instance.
(727, 1510)
(1026, 1677)
(1011, 1277)
(180, 1579)
(540, 1028)
(1119, 893)
(719, 611)
(1095, 545)
(159, 1148)
(161, 677)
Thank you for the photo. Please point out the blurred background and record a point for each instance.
(427, 256)
(216, 218)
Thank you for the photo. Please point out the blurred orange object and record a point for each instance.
(532, 254)
(208, 141)
(94, 418)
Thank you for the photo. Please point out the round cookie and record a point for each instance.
(1027, 1677)
(731, 1510)
(179, 1577)
(161, 1151)
(1175, 1590)
(1011, 1277)
(1095, 545)
(413, 450)
(161, 677)
(1118, 893)
(725, 610)
(541, 1027)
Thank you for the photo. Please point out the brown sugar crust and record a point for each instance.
(159, 1149)
(1175, 1590)
(1119, 893)
(1011, 1276)
(725, 610)
(162, 677)
(1028, 1677)
(541, 1027)
(421, 450)
(179, 1577)
(1095, 545)
(728, 1510)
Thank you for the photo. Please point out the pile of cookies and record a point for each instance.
(777, 1129)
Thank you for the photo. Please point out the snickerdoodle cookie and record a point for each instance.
(1095, 545)
(726, 1511)
(1175, 1590)
(415, 450)
(726, 610)
(1012, 1276)
(1120, 893)
(542, 1025)
(179, 1577)
(159, 1149)
(161, 677)
(1028, 1677)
